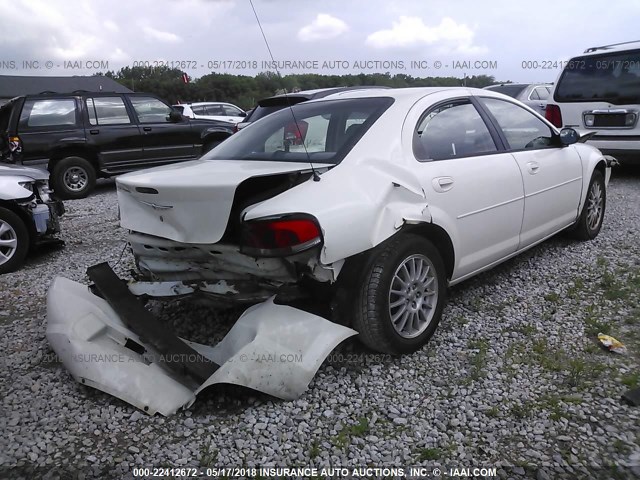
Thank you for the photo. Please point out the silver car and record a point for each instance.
(533, 95)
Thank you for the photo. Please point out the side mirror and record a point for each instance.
(568, 136)
(242, 114)
(175, 116)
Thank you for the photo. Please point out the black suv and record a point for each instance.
(84, 135)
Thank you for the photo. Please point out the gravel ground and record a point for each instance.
(513, 378)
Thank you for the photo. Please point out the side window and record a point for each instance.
(451, 130)
(543, 93)
(198, 110)
(522, 129)
(48, 113)
(230, 111)
(107, 111)
(534, 95)
(150, 110)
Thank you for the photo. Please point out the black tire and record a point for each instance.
(12, 228)
(590, 222)
(371, 303)
(73, 178)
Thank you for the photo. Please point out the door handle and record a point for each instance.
(146, 129)
(442, 184)
(533, 167)
(94, 132)
(542, 105)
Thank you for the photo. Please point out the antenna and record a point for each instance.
(316, 177)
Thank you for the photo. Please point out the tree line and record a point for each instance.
(245, 91)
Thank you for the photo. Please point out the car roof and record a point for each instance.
(209, 103)
(614, 47)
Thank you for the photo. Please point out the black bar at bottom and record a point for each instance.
(176, 355)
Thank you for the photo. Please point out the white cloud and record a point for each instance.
(165, 37)
(323, 27)
(110, 25)
(448, 36)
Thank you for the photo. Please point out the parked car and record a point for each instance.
(85, 135)
(278, 102)
(224, 112)
(532, 94)
(382, 198)
(29, 214)
(598, 92)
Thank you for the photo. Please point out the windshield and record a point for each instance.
(325, 132)
(510, 90)
(613, 78)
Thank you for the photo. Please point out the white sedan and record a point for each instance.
(378, 198)
(370, 201)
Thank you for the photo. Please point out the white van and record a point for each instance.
(599, 92)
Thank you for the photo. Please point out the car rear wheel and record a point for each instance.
(592, 215)
(14, 241)
(73, 177)
(400, 295)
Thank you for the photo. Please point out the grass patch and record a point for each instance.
(208, 455)
(314, 450)
(593, 326)
(552, 297)
(479, 358)
(631, 380)
(523, 410)
(360, 429)
(492, 412)
(429, 454)
(612, 288)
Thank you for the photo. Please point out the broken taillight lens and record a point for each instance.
(274, 237)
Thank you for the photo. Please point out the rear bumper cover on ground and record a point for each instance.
(275, 349)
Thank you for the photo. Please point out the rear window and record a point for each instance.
(613, 78)
(510, 90)
(321, 132)
(48, 113)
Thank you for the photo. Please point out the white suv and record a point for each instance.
(225, 112)
(599, 92)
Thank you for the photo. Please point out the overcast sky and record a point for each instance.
(491, 37)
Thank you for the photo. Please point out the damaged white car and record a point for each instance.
(29, 214)
(371, 201)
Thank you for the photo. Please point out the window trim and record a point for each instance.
(555, 136)
(462, 100)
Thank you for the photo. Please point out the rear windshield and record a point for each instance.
(322, 132)
(510, 90)
(613, 78)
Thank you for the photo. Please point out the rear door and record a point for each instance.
(473, 190)
(551, 173)
(113, 133)
(164, 141)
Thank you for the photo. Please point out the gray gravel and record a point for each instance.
(512, 379)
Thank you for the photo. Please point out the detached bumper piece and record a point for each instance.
(115, 345)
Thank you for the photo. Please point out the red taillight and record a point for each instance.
(235, 128)
(553, 114)
(280, 236)
(296, 132)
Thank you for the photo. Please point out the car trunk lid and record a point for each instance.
(190, 202)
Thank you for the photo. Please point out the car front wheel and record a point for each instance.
(14, 241)
(400, 295)
(592, 215)
(73, 177)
